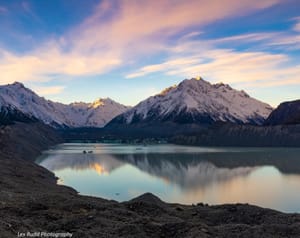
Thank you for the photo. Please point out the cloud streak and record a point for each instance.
(52, 90)
(3, 10)
(37, 65)
(118, 32)
(239, 68)
(168, 65)
(215, 60)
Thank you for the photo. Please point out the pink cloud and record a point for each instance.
(38, 64)
(171, 64)
(297, 25)
(138, 23)
(51, 90)
(3, 10)
(118, 32)
(243, 69)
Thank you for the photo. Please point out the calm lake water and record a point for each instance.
(268, 177)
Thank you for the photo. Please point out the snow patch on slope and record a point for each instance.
(96, 114)
(219, 102)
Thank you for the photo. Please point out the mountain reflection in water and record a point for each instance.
(188, 175)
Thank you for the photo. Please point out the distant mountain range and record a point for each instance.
(196, 101)
(186, 106)
(22, 104)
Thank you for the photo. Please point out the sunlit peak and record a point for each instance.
(98, 103)
(165, 91)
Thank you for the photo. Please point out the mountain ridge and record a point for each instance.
(192, 101)
(17, 99)
(197, 101)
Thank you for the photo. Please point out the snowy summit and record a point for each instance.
(17, 98)
(197, 101)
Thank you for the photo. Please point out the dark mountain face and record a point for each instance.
(243, 135)
(9, 116)
(285, 113)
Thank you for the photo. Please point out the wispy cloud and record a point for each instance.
(257, 69)
(51, 90)
(251, 37)
(297, 25)
(230, 66)
(43, 62)
(3, 10)
(112, 36)
(287, 40)
(27, 8)
(243, 68)
(167, 65)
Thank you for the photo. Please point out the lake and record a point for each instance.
(268, 177)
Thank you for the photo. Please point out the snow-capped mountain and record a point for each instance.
(15, 98)
(197, 101)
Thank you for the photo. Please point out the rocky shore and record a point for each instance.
(31, 201)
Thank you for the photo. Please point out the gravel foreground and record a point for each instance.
(31, 203)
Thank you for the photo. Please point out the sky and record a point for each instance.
(128, 50)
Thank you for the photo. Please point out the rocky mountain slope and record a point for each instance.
(242, 135)
(20, 103)
(196, 101)
(285, 113)
(26, 140)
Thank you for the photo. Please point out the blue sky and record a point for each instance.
(74, 50)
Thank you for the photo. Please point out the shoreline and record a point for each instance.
(31, 200)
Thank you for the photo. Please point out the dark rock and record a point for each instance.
(285, 113)
(147, 198)
(179, 209)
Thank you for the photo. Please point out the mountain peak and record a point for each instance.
(20, 87)
(17, 97)
(99, 102)
(195, 81)
(102, 102)
(198, 78)
(198, 101)
(17, 84)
